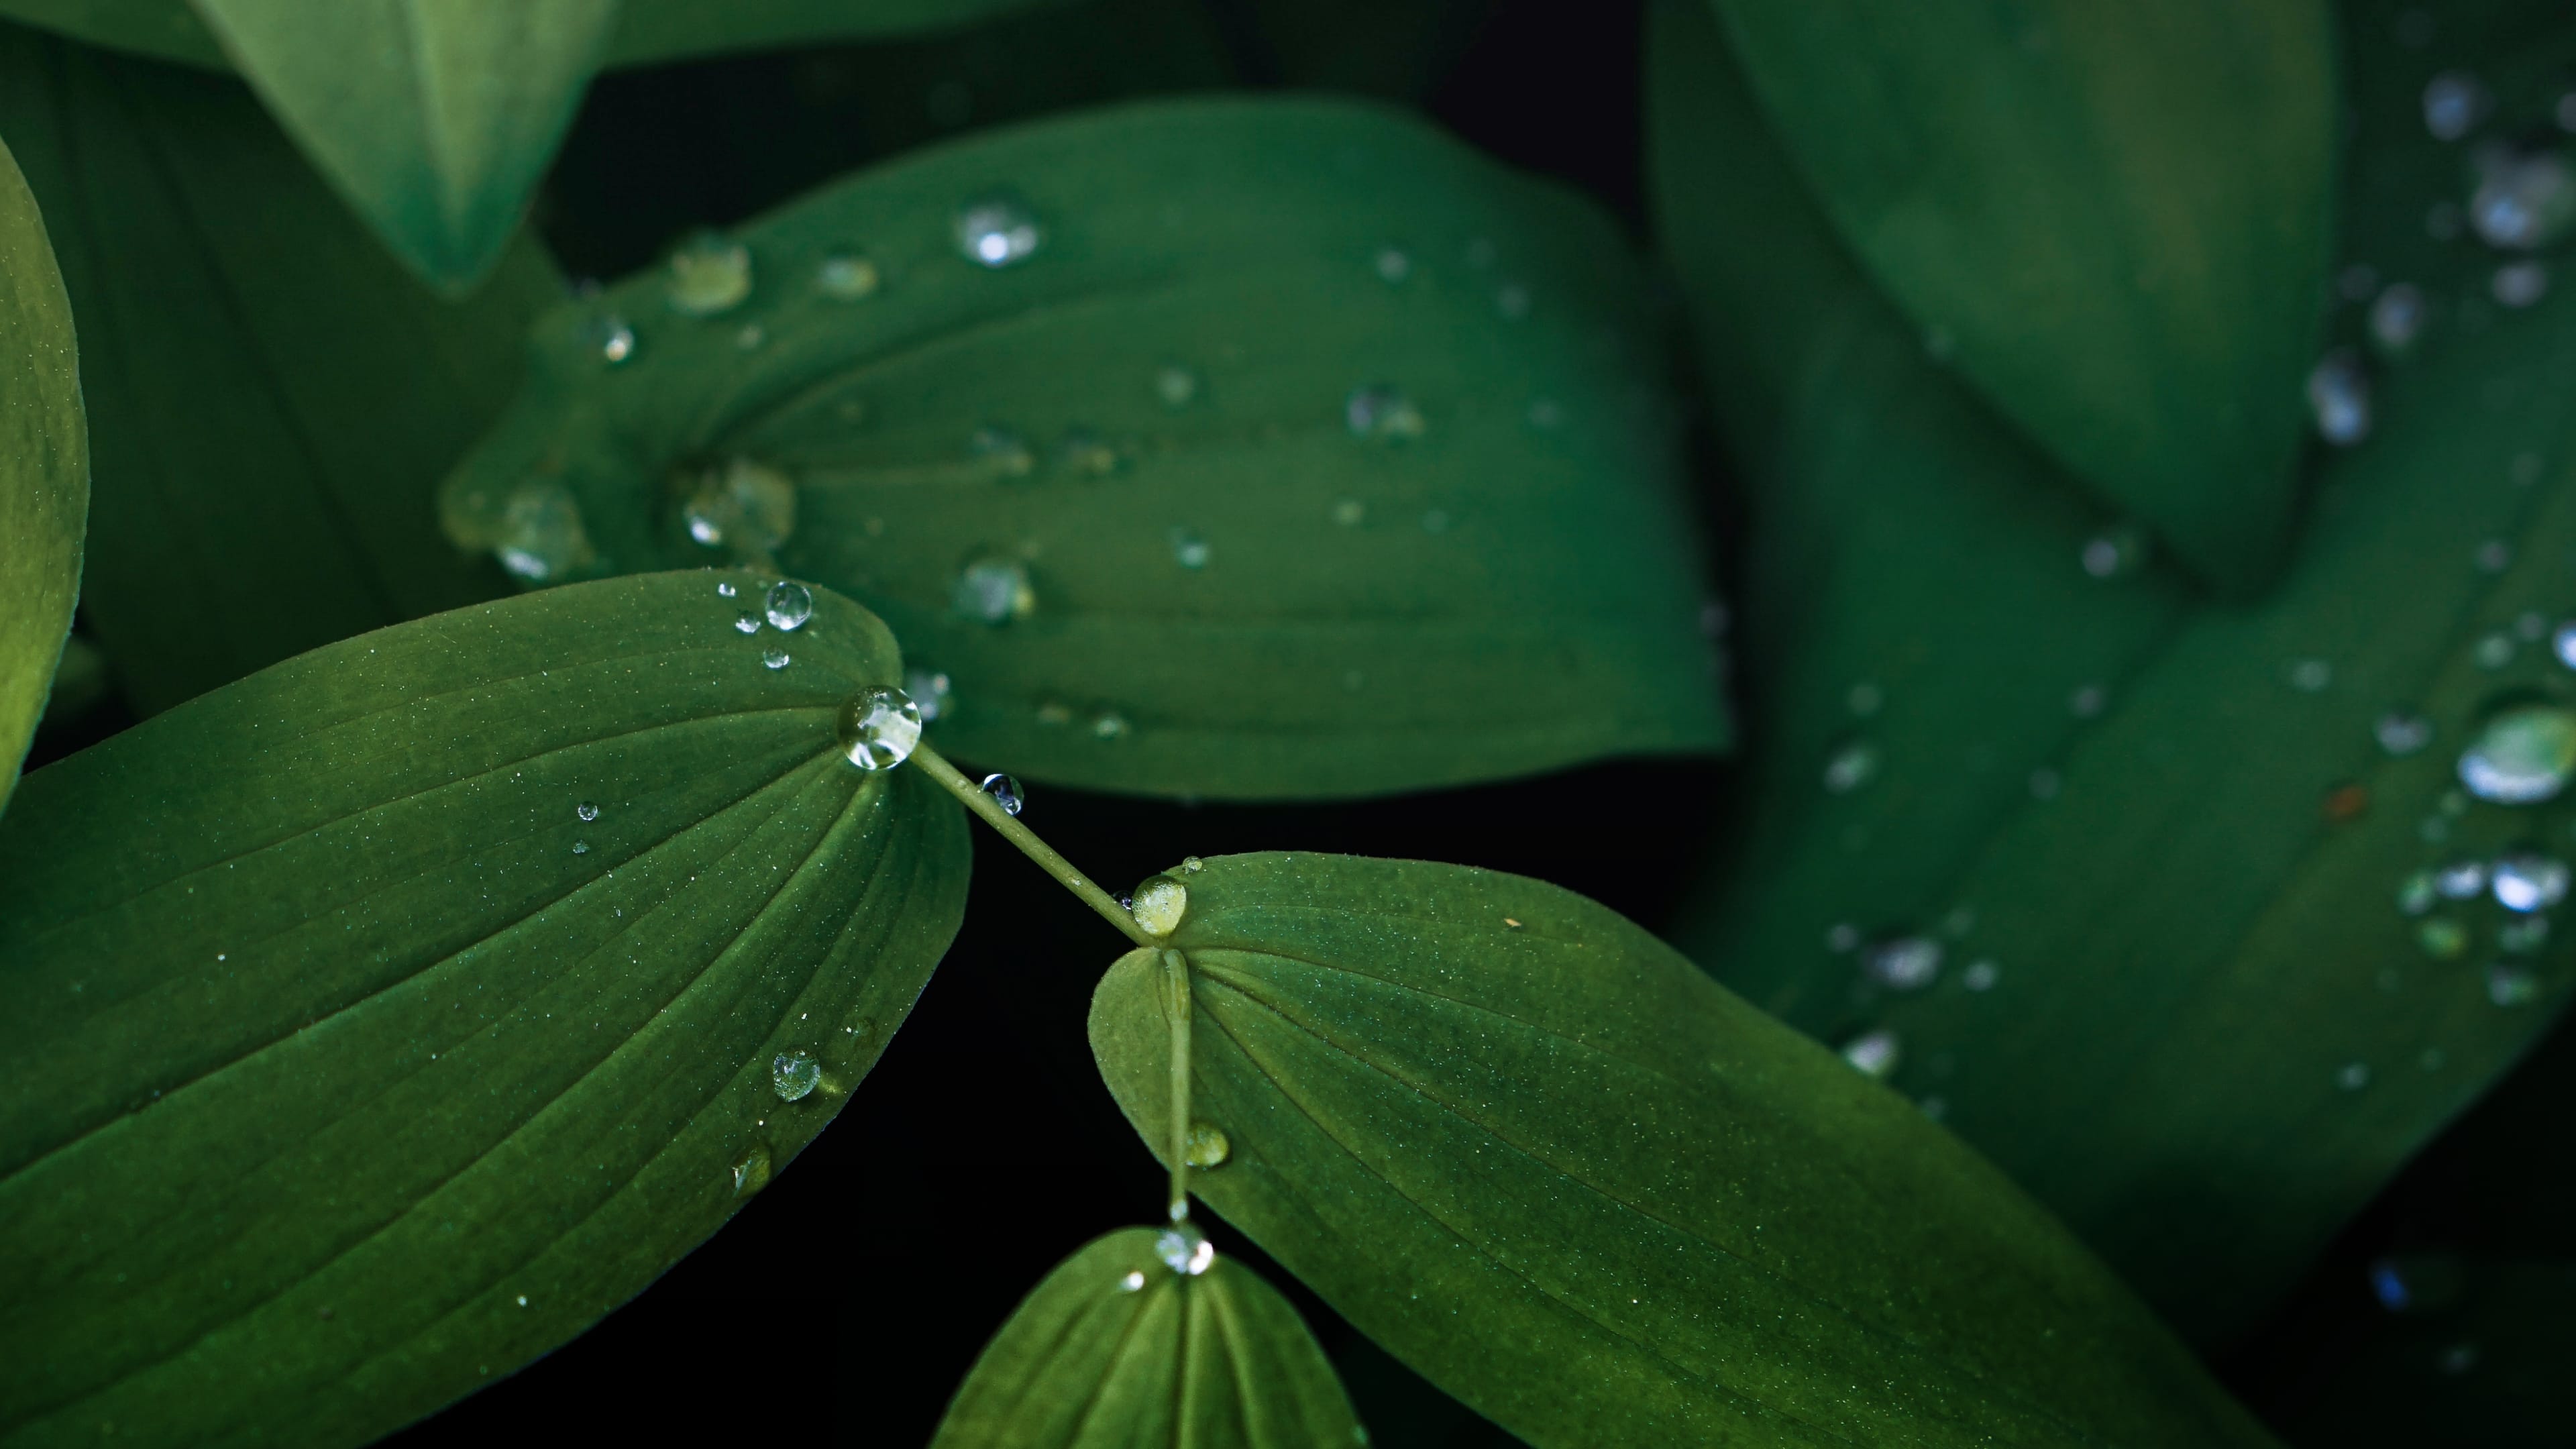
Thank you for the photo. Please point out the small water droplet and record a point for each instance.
(2418, 893)
(2512, 985)
(794, 1074)
(1908, 963)
(1159, 905)
(2311, 676)
(1379, 411)
(2454, 102)
(993, 588)
(2400, 733)
(930, 690)
(2461, 880)
(709, 273)
(1393, 265)
(542, 538)
(878, 727)
(2519, 284)
(1207, 1146)
(2397, 319)
(997, 230)
(1980, 976)
(1850, 767)
(2353, 1076)
(746, 623)
(774, 658)
(1176, 385)
(1109, 724)
(586, 811)
(1189, 550)
(789, 605)
(581, 847)
(2493, 651)
(2442, 938)
(2339, 396)
(2522, 756)
(2525, 200)
(751, 1172)
(744, 507)
(2526, 881)
(1132, 1283)
(1006, 793)
(1054, 712)
(846, 277)
(610, 337)
(2523, 936)
(1874, 1052)
(2115, 552)
(1192, 865)
(1184, 1249)
(725, 591)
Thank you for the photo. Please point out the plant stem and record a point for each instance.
(1176, 973)
(932, 764)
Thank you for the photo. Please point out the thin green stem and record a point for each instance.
(1176, 973)
(932, 764)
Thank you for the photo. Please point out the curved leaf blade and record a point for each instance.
(1146, 424)
(346, 1064)
(1548, 1163)
(1218, 1359)
(44, 470)
(434, 119)
(2159, 843)
(2117, 216)
(275, 399)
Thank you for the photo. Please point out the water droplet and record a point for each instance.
(746, 623)
(2087, 701)
(2397, 319)
(993, 588)
(2442, 938)
(1109, 724)
(2511, 985)
(1192, 865)
(1159, 905)
(2461, 880)
(1184, 1249)
(751, 1173)
(744, 507)
(725, 591)
(930, 690)
(2115, 552)
(586, 811)
(610, 337)
(2400, 733)
(1207, 1146)
(1908, 963)
(542, 538)
(710, 273)
(1133, 1282)
(1054, 712)
(1189, 550)
(2353, 1076)
(1176, 385)
(1349, 512)
(794, 1074)
(2522, 756)
(1393, 265)
(789, 605)
(2493, 651)
(2418, 893)
(2563, 644)
(1850, 767)
(2454, 103)
(846, 278)
(581, 847)
(1379, 411)
(774, 658)
(2309, 676)
(2339, 396)
(1873, 1052)
(2525, 881)
(2524, 936)
(878, 728)
(2525, 200)
(1006, 793)
(997, 230)
(1980, 976)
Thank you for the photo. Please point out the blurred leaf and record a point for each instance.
(273, 397)
(81, 683)
(44, 469)
(2155, 843)
(376, 1023)
(1117, 1348)
(1540, 1157)
(2490, 1373)
(2116, 215)
(1399, 49)
(1251, 519)
(432, 118)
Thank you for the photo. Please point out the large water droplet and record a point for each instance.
(2397, 319)
(1184, 1249)
(2339, 396)
(794, 1074)
(789, 605)
(2528, 881)
(743, 507)
(997, 230)
(1207, 1146)
(1908, 963)
(2521, 756)
(2525, 200)
(710, 272)
(878, 728)
(1873, 1052)
(930, 691)
(993, 588)
(542, 539)
(1853, 765)
(2454, 103)
(846, 278)
(1006, 793)
(1159, 905)
(1379, 411)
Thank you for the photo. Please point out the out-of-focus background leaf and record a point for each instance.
(272, 398)
(44, 469)
(2119, 868)
(381, 1020)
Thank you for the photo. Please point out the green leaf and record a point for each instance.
(273, 398)
(1131, 450)
(44, 469)
(2117, 216)
(1115, 1347)
(2156, 842)
(433, 119)
(376, 1023)
(1544, 1160)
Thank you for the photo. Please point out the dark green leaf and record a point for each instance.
(1141, 432)
(44, 469)
(2156, 842)
(1116, 1348)
(1548, 1163)
(2116, 215)
(376, 1023)
(273, 397)
(2486, 1372)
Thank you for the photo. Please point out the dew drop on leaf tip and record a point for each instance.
(709, 273)
(878, 728)
(794, 1075)
(997, 230)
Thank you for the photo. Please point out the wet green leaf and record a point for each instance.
(273, 397)
(376, 1023)
(44, 469)
(1306, 454)
(2158, 844)
(1544, 1160)
(1115, 1347)
(2115, 216)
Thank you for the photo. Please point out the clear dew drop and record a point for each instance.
(1159, 905)
(1189, 548)
(1379, 411)
(1207, 1146)
(2397, 319)
(997, 230)
(788, 606)
(1907, 963)
(2454, 102)
(1006, 793)
(2519, 284)
(2509, 984)
(2525, 200)
(775, 658)
(878, 728)
(609, 337)
(542, 539)
(746, 623)
(1185, 1250)
(2400, 733)
(586, 812)
(2339, 398)
(751, 1171)
(743, 507)
(725, 591)
(1981, 976)
(1853, 765)
(931, 692)
(993, 588)
(709, 273)
(846, 277)
(2526, 881)
(794, 1074)
(581, 847)
(1875, 1053)
(2521, 756)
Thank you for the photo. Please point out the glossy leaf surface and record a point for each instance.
(273, 398)
(1116, 1348)
(2145, 855)
(44, 469)
(376, 1023)
(1547, 1162)
(1301, 453)
(2117, 217)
